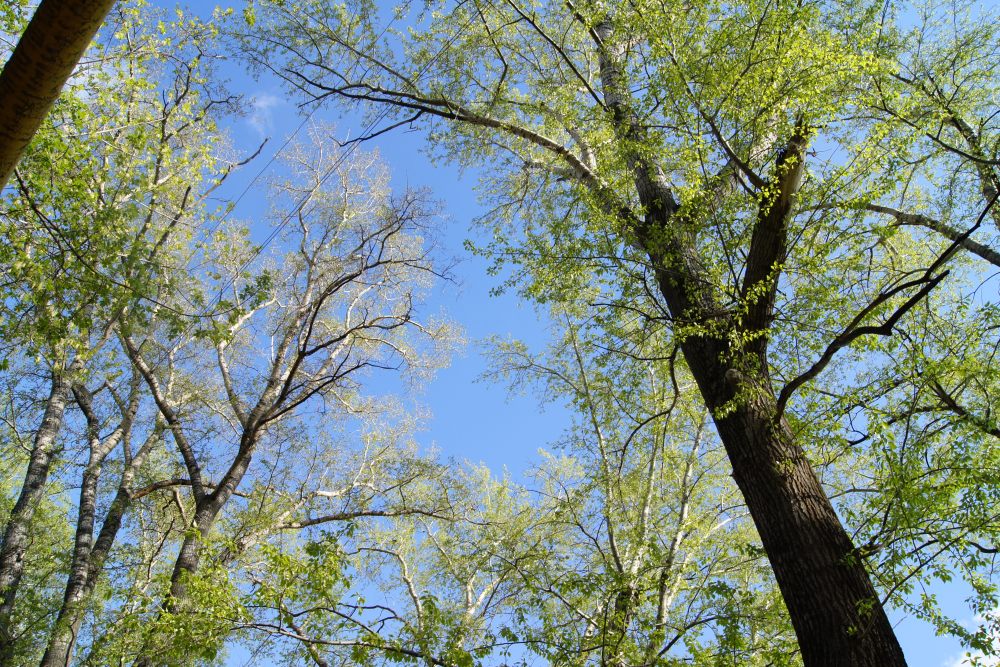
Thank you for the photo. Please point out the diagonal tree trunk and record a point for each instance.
(49, 49)
(834, 608)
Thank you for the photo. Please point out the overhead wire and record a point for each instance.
(345, 154)
(348, 150)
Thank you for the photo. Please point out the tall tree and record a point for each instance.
(345, 303)
(722, 153)
(87, 234)
(644, 549)
(397, 566)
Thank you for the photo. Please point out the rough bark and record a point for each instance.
(16, 533)
(59, 652)
(62, 641)
(206, 512)
(64, 632)
(44, 58)
(834, 608)
(88, 555)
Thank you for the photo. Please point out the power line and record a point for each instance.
(347, 152)
(343, 157)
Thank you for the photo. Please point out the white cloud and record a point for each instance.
(965, 659)
(261, 116)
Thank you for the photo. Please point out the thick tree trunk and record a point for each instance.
(189, 556)
(16, 533)
(49, 49)
(206, 512)
(836, 612)
(834, 608)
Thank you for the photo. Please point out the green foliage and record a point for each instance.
(898, 102)
(641, 551)
(102, 192)
(49, 542)
(92, 229)
(630, 544)
(310, 574)
(196, 630)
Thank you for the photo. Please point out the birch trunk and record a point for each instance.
(88, 555)
(16, 533)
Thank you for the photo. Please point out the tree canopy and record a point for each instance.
(763, 235)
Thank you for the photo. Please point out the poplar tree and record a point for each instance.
(783, 181)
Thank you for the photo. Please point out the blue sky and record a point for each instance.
(469, 419)
(473, 420)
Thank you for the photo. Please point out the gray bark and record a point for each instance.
(16, 533)
(88, 555)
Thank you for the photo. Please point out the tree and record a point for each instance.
(42, 62)
(628, 546)
(737, 165)
(643, 546)
(405, 575)
(97, 299)
(86, 239)
(344, 303)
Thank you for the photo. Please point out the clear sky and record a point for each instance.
(470, 420)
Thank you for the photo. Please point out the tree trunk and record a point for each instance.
(186, 564)
(206, 512)
(59, 652)
(834, 608)
(49, 49)
(189, 556)
(80, 583)
(15, 539)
